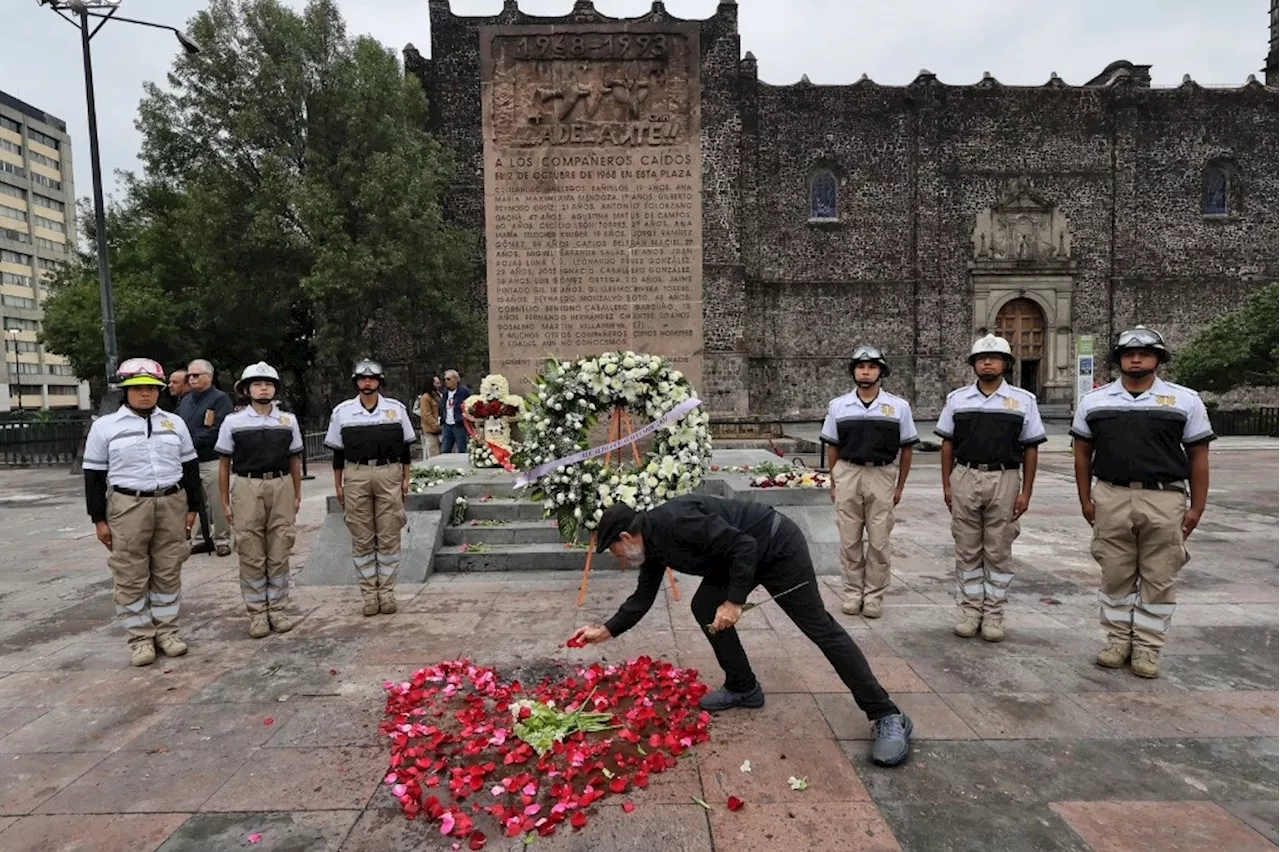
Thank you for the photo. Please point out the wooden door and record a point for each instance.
(1021, 322)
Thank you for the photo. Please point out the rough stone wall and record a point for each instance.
(785, 300)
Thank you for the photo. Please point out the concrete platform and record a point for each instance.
(1024, 745)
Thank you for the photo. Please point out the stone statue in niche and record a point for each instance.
(1022, 226)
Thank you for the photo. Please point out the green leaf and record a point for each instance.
(700, 802)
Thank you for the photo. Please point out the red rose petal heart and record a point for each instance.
(451, 727)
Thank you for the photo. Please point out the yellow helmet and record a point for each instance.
(140, 372)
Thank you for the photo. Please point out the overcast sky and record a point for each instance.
(833, 41)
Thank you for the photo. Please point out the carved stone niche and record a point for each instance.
(1022, 228)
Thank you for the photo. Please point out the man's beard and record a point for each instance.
(1136, 372)
(864, 383)
(632, 557)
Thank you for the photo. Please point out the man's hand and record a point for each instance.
(946, 497)
(191, 522)
(1190, 519)
(727, 615)
(297, 503)
(341, 494)
(226, 510)
(104, 533)
(589, 635)
(404, 487)
(897, 495)
(833, 492)
(1020, 505)
(1087, 509)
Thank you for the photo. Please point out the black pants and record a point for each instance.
(786, 563)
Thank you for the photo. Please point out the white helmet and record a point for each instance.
(990, 345)
(260, 370)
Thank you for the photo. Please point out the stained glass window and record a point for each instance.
(822, 196)
(1217, 185)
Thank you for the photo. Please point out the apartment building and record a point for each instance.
(37, 232)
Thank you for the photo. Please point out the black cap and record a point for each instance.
(613, 523)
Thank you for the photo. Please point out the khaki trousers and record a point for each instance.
(265, 532)
(1137, 539)
(983, 528)
(430, 444)
(221, 531)
(374, 512)
(148, 546)
(864, 501)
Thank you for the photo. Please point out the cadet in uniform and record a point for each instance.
(370, 437)
(142, 490)
(989, 431)
(866, 429)
(262, 447)
(1144, 439)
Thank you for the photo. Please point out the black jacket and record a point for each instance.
(192, 410)
(722, 540)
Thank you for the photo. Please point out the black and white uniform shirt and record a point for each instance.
(869, 433)
(994, 429)
(360, 436)
(259, 443)
(1142, 438)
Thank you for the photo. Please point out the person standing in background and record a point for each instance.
(178, 388)
(429, 415)
(453, 427)
(203, 409)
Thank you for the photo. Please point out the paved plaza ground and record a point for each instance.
(1025, 745)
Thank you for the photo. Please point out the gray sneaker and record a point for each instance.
(892, 739)
(723, 699)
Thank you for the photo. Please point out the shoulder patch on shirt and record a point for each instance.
(1166, 399)
(285, 420)
(166, 424)
(1012, 404)
(392, 414)
(886, 410)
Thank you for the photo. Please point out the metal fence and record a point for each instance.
(39, 443)
(1246, 421)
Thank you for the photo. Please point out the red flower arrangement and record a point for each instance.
(451, 732)
(481, 409)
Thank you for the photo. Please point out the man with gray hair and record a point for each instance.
(453, 427)
(203, 410)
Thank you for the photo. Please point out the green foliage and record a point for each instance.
(1236, 349)
(291, 204)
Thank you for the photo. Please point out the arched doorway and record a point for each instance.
(1021, 322)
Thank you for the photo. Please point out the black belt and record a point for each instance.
(375, 462)
(264, 474)
(857, 463)
(989, 467)
(163, 492)
(1151, 485)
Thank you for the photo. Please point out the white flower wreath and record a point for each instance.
(572, 396)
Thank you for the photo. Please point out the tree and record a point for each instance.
(1236, 349)
(290, 207)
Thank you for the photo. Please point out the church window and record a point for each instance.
(822, 196)
(1217, 190)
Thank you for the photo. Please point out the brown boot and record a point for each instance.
(280, 621)
(142, 652)
(852, 606)
(992, 630)
(386, 601)
(967, 627)
(1115, 655)
(1145, 662)
(259, 626)
(871, 608)
(370, 601)
(170, 645)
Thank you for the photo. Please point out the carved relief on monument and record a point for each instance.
(1022, 226)
(593, 193)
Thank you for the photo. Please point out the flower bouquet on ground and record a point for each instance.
(424, 477)
(470, 752)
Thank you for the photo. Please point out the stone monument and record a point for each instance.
(593, 193)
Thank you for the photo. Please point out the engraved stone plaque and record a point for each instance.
(593, 193)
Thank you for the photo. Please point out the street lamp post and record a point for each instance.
(17, 379)
(84, 10)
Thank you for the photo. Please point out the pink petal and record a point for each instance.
(532, 809)
(398, 790)
(255, 838)
(446, 822)
(530, 789)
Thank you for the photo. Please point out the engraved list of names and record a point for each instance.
(593, 194)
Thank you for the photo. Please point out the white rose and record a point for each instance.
(628, 362)
(610, 369)
(676, 375)
(599, 513)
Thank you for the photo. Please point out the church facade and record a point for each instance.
(919, 217)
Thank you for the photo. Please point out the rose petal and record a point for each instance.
(578, 820)
(735, 803)
(268, 721)
(478, 840)
(255, 838)
(628, 807)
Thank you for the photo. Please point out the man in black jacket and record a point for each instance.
(735, 546)
(203, 409)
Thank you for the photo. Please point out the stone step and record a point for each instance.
(503, 532)
(528, 557)
(501, 509)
